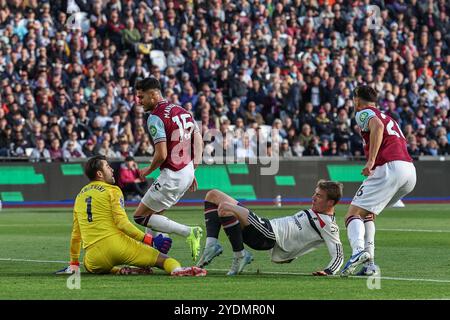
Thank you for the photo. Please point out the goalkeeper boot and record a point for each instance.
(189, 272)
(354, 261)
(369, 269)
(239, 263)
(209, 254)
(194, 241)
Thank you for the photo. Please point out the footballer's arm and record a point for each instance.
(198, 149)
(121, 219)
(158, 158)
(376, 128)
(330, 234)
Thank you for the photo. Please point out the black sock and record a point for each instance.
(212, 220)
(232, 228)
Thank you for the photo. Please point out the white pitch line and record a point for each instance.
(28, 260)
(265, 272)
(37, 225)
(413, 230)
(337, 276)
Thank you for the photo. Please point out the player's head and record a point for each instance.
(326, 195)
(148, 91)
(98, 169)
(364, 96)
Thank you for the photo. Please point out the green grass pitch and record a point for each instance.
(412, 250)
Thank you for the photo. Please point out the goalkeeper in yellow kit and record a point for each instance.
(111, 242)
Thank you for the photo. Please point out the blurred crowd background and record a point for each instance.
(67, 81)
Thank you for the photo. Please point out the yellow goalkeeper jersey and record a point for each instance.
(99, 213)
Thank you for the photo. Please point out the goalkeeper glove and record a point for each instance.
(161, 243)
(71, 269)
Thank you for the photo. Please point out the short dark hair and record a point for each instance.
(366, 93)
(147, 84)
(93, 165)
(333, 189)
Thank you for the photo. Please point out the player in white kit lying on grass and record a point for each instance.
(390, 176)
(287, 237)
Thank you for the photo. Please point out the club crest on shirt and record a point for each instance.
(153, 130)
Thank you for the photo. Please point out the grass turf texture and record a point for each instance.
(409, 261)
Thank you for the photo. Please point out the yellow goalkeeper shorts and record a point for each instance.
(117, 250)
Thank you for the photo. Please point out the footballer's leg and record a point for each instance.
(130, 252)
(164, 193)
(212, 221)
(369, 267)
(154, 220)
(234, 218)
(354, 221)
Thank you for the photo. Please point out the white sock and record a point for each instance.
(154, 233)
(369, 239)
(239, 254)
(164, 224)
(355, 233)
(210, 241)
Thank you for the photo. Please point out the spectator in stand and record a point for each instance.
(71, 152)
(105, 150)
(332, 151)
(56, 153)
(52, 74)
(40, 152)
(89, 148)
(285, 149)
(130, 180)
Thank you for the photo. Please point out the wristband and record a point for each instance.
(148, 239)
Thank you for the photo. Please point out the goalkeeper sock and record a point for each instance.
(170, 264)
(369, 237)
(164, 224)
(355, 233)
(212, 221)
(232, 228)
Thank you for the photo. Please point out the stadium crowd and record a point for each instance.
(67, 92)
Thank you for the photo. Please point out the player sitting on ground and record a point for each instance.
(109, 238)
(287, 237)
(174, 133)
(391, 176)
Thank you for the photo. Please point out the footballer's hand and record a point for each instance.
(162, 244)
(71, 269)
(144, 172)
(194, 186)
(322, 273)
(367, 170)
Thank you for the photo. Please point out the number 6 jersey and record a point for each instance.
(174, 125)
(394, 145)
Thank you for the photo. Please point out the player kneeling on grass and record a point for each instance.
(287, 237)
(110, 240)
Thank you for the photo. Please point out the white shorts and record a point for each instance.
(168, 188)
(388, 184)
